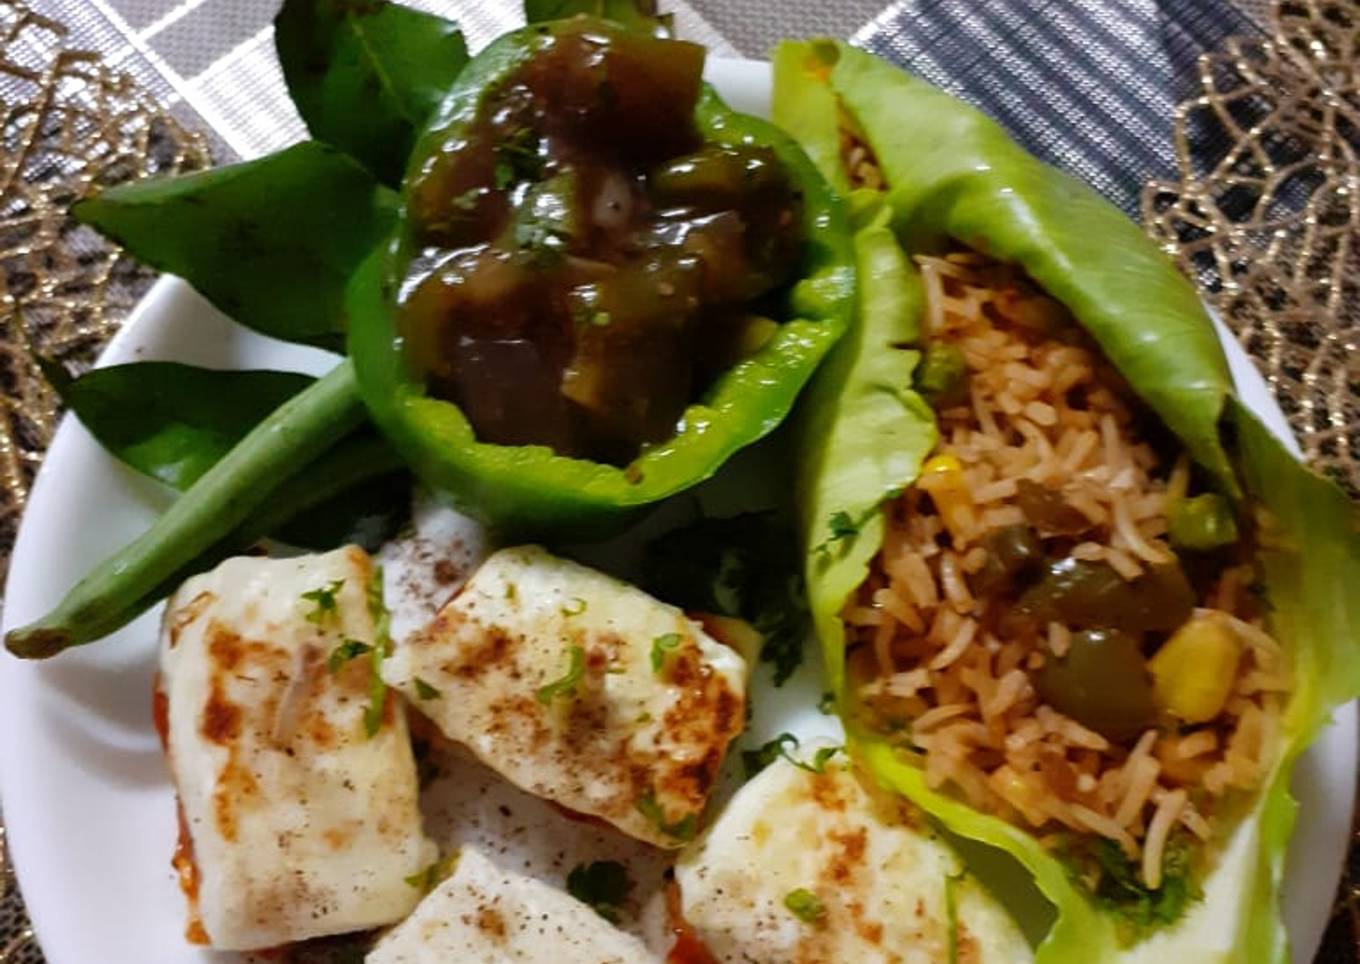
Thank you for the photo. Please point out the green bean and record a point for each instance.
(214, 508)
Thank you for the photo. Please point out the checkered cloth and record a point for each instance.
(1088, 85)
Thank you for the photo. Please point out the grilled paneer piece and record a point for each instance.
(580, 689)
(298, 792)
(806, 867)
(485, 914)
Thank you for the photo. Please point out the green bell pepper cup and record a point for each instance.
(952, 174)
(530, 490)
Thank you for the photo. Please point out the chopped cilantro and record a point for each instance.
(753, 761)
(381, 648)
(467, 201)
(1120, 890)
(425, 691)
(819, 759)
(323, 602)
(827, 704)
(511, 591)
(842, 526)
(428, 879)
(806, 905)
(345, 652)
(565, 684)
(662, 645)
(682, 829)
(574, 607)
(756, 760)
(604, 885)
(518, 158)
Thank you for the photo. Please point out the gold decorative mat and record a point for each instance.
(1265, 215)
(1270, 224)
(68, 123)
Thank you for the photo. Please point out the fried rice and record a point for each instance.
(934, 658)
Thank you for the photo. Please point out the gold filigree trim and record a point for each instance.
(1266, 214)
(68, 124)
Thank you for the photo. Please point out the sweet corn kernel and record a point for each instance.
(1194, 671)
(941, 464)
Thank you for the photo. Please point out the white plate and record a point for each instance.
(86, 798)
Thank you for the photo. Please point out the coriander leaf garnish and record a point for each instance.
(604, 885)
(753, 761)
(425, 691)
(323, 602)
(345, 652)
(567, 682)
(756, 760)
(661, 645)
(682, 829)
(819, 759)
(428, 879)
(574, 607)
(382, 647)
(806, 905)
(827, 704)
(842, 526)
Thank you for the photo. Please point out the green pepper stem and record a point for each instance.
(213, 509)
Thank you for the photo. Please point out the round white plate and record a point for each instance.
(86, 797)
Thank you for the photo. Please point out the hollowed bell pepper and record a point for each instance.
(529, 488)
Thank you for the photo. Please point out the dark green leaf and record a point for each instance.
(366, 75)
(744, 566)
(637, 14)
(346, 651)
(604, 885)
(566, 684)
(270, 242)
(172, 421)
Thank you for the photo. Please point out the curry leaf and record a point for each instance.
(366, 75)
(171, 421)
(270, 242)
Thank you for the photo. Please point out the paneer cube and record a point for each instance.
(298, 792)
(581, 689)
(807, 866)
(485, 914)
